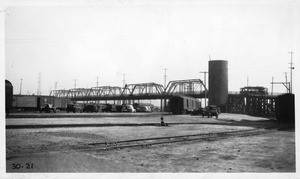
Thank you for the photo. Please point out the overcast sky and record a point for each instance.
(111, 38)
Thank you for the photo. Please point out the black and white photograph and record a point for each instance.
(149, 88)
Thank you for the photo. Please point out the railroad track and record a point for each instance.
(147, 142)
(175, 139)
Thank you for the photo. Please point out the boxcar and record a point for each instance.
(285, 108)
(180, 104)
(8, 96)
(64, 103)
(58, 103)
(35, 103)
(42, 100)
(61, 103)
(25, 102)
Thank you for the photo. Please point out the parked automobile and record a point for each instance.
(143, 109)
(210, 111)
(125, 108)
(109, 108)
(73, 108)
(48, 108)
(120, 108)
(129, 108)
(90, 108)
(198, 111)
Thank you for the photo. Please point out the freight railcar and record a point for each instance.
(285, 108)
(180, 104)
(25, 103)
(35, 103)
(61, 103)
(8, 96)
(58, 103)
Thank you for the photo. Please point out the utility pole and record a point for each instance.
(272, 85)
(247, 81)
(98, 101)
(165, 77)
(124, 80)
(291, 68)
(21, 86)
(285, 84)
(165, 83)
(55, 86)
(289, 84)
(205, 92)
(75, 83)
(39, 84)
(97, 81)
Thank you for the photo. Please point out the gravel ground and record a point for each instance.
(136, 118)
(59, 149)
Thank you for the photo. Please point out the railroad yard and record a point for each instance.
(136, 142)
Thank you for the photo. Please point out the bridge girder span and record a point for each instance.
(186, 87)
(191, 86)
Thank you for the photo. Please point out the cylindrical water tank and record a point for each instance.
(218, 82)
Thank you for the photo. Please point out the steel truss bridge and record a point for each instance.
(260, 105)
(191, 87)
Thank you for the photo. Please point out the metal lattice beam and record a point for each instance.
(105, 91)
(144, 89)
(59, 93)
(192, 87)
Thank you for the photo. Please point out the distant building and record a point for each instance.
(254, 91)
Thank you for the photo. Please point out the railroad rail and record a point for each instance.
(140, 143)
(146, 142)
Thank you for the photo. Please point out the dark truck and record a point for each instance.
(90, 108)
(48, 108)
(73, 108)
(211, 111)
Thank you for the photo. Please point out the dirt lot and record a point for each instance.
(61, 149)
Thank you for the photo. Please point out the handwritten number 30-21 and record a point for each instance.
(18, 166)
